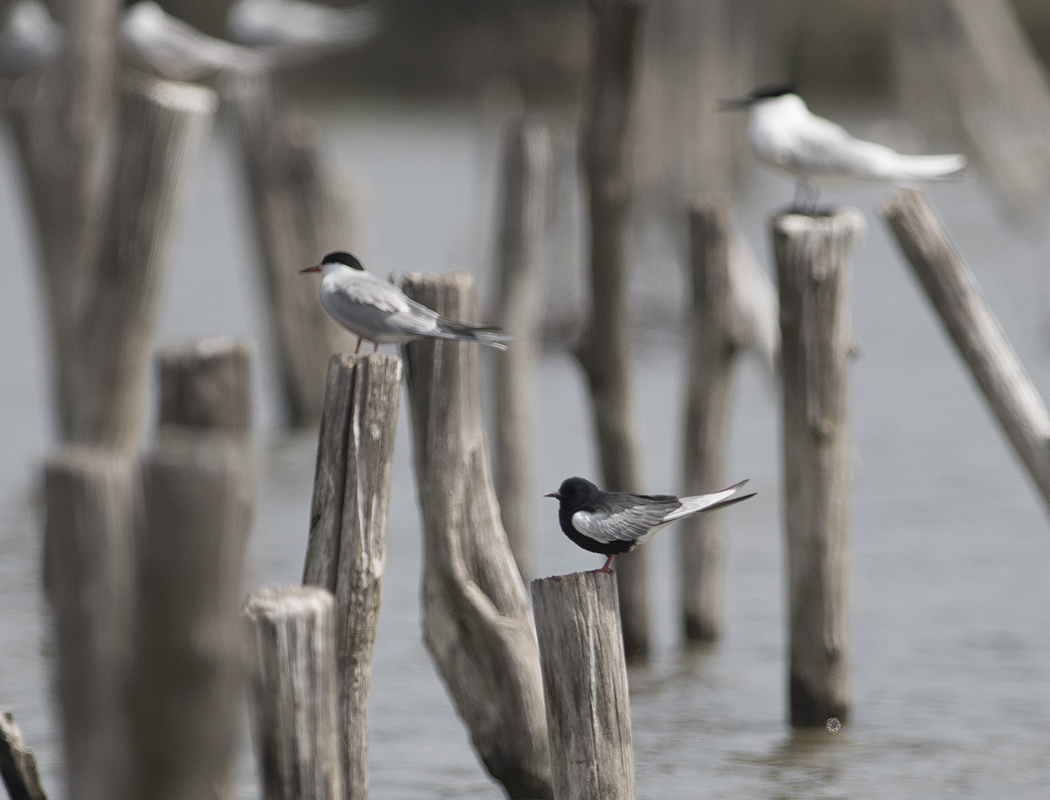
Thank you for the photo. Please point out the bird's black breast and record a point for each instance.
(585, 541)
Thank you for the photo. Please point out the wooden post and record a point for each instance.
(526, 180)
(813, 276)
(88, 537)
(206, 385)
(18, 767)
(476, 621)
(715, 340)
(102, 290)
(297, 220)
(190, 649)
(954, 292)
(604, 351)
(347, 549)
(294, 708)
(585, 685)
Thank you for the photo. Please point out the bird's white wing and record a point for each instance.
(821, 146)
(363, 288)
(624, 518)
(707, 502)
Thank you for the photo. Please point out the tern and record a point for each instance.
(816, 152)
(173, 49)
(375, 310)
(614, 522)
(297, 30)
(30, 38)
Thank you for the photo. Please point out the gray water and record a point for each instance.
(950, 544)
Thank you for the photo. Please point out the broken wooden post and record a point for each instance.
(190, 648)
(526, 178)
(298, 219)
(585, 686)
(90, 496)
(715, 340)
(18, 767)
(604, 351)
(206, 385)
(346, 553)
(476, 621)
(813, 277)
(294, 700)
(954, 292)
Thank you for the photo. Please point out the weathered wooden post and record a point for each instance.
(206, 385)
(190, 650)
(953, 290)
(604, 351)
(585, 685)
(294, 705)
(714, 342)
(298, 218)
(813, 277)
(18, 768)
(476, 621)
(347, 548)
(526, 180)
(88, 533)
(102, 284)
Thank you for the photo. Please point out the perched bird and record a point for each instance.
(816, 152)
(173, 49)
(373, 309)
(30, 38)
(615, 522)
(298, 30)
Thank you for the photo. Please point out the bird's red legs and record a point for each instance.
(608, 561)
(356, 349)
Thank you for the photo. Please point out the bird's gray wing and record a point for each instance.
(624, 517)
(824, 147)
(366, 289)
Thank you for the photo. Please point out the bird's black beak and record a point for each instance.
(735, 103)
(314, 268)
(555, 495)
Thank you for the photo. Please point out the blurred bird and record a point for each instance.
(30, 38)
(816, 152)
(172, 49)
(373, 309)
(614, 522)
(296, 30)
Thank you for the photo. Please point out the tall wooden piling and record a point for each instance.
(526, 181)
(585, 686)
(604, 351)
(190, 649)
(476, 621)
(954, 292)
(18, 768)
(89, 498)
(715, 338)
(813, 276)
(298, 218)
(346, 553)
(294, 700)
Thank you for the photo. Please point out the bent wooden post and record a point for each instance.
(715, 340)
(526, 178)
(953, 290)
(813, 277)
(90, 497)
(346, 553)
(294, 701)
(585, 686)
(476, 621)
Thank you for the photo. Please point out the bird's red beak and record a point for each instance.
(314, 268)
(555, 495)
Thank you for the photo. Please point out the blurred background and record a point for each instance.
(948, 585)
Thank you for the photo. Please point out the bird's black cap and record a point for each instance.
(342, 257)
(755, 95)
(576, 492)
